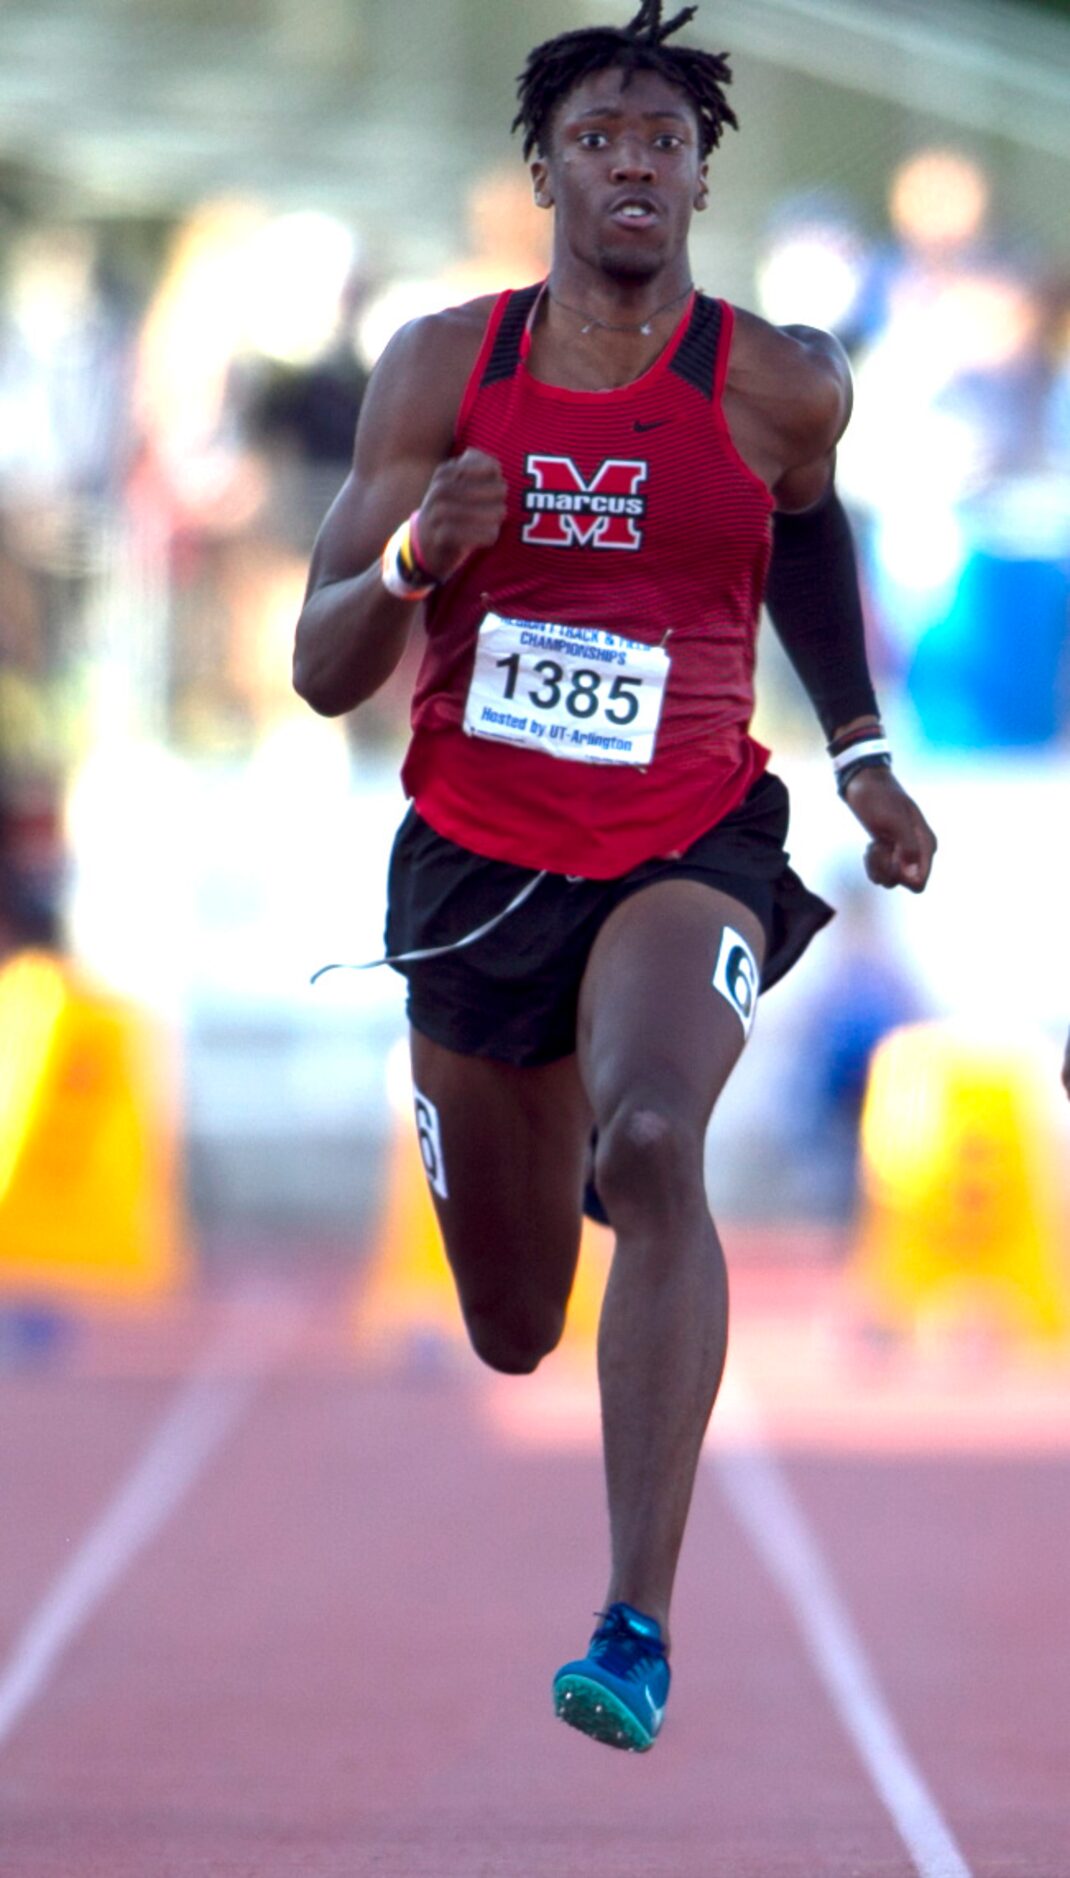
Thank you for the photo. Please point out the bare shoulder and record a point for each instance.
(415, 391)
(453, 335)
(798, 373)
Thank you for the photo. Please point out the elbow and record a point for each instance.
(304, 683)
(311, 688)
(335, 667)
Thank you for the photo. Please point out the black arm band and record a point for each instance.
(814, 603)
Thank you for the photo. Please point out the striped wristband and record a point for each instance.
(863, 732)
(864, 746)
(400, 568)
(869, 752)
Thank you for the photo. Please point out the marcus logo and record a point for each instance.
(567, 511)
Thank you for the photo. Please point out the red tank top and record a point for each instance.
(630, 511)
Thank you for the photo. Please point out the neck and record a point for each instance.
(571, 349)
(610, 307)
(620, 298)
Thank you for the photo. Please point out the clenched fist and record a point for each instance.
(900, 853)
(463, 510)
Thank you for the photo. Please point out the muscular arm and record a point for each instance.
(812, 590)
(788, 402)
(351, 632)
(800, 400)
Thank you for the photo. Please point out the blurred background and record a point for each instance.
(211, 220)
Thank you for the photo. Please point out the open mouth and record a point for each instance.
(633, 212)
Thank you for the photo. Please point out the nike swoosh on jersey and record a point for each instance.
(658, 424)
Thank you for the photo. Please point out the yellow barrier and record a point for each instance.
(964, 1208)
(89, 1177)
(585, 1304)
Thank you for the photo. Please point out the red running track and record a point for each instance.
(266, 1610)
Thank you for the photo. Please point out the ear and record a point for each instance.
(540, 182)
(702, 191)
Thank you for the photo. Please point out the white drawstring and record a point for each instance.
(437, 952)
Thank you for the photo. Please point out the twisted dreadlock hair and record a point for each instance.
(556, 67)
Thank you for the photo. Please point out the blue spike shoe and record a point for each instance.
(617, 1692)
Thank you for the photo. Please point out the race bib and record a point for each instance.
(573, 691)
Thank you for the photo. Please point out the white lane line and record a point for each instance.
(759, 1495)
(205, 1410)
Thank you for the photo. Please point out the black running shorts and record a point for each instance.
(514, 994)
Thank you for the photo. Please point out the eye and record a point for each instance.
(668, 141)
(592, 140)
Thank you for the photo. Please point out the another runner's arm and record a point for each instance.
(812, 589)
(352, 632)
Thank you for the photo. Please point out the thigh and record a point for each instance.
(510, 1147)
(667, 999)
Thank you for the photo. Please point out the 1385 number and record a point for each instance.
(586, 694)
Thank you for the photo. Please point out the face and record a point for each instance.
(623, 172)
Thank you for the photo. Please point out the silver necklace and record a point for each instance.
(607, 326)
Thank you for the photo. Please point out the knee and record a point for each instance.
(649, 1159)
(514, 1341)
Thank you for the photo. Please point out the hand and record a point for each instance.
(900, 853)
(463, 510)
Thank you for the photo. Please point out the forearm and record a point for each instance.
(814, 603)
(350, 638)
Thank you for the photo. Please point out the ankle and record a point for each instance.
(652, 1608)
